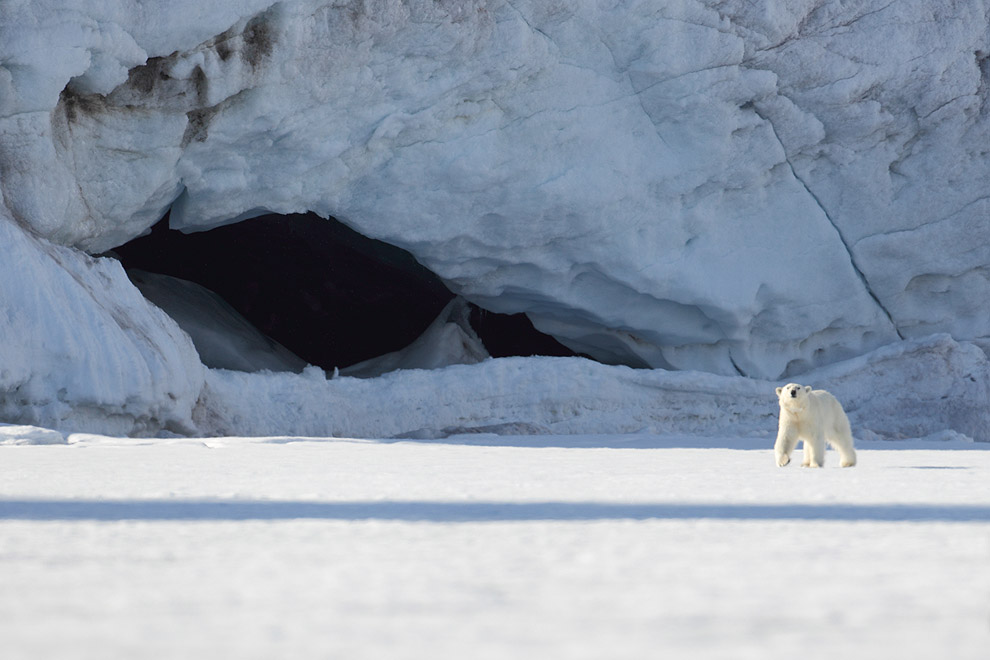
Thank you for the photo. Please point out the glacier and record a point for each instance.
(715, 188)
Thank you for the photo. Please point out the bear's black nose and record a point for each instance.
(793, 394)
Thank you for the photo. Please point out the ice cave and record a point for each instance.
(282, 292)
(709, 192)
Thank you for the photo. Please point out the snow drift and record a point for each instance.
(702, 186)
(911, 390)
(81, 348)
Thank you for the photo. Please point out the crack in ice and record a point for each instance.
(845, 243)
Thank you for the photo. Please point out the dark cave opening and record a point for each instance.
(322, 290)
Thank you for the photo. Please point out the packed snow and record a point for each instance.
(586, 546)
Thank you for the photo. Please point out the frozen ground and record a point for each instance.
(633, 546)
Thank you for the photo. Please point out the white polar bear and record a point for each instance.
(813, 416)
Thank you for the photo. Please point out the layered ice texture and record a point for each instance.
(725, 187)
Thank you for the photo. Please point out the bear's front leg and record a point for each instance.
(786, 441)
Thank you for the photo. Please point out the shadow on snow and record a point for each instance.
(460, 512)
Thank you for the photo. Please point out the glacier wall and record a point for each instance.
(696, 184)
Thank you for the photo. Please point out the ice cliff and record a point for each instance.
(746, 189)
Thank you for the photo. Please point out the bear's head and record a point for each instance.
(793, 397)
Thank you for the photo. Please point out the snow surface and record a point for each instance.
(659, 185)
(23, 434)
(564, 547)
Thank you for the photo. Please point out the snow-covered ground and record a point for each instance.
(481, 546)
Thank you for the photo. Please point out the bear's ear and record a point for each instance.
(779, 389)
(807, 388)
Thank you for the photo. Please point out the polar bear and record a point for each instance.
(813, 416)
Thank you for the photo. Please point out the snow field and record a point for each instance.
(572, 547)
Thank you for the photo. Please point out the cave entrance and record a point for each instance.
(324, 292)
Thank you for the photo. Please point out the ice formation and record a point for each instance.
(223, 338)
(449, 340)
(716, 186)
(912, 389)
(80, 348)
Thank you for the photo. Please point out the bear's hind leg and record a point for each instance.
(817, 453)
(841, 438)
(844, 443)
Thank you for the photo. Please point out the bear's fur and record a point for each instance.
(813, 416)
